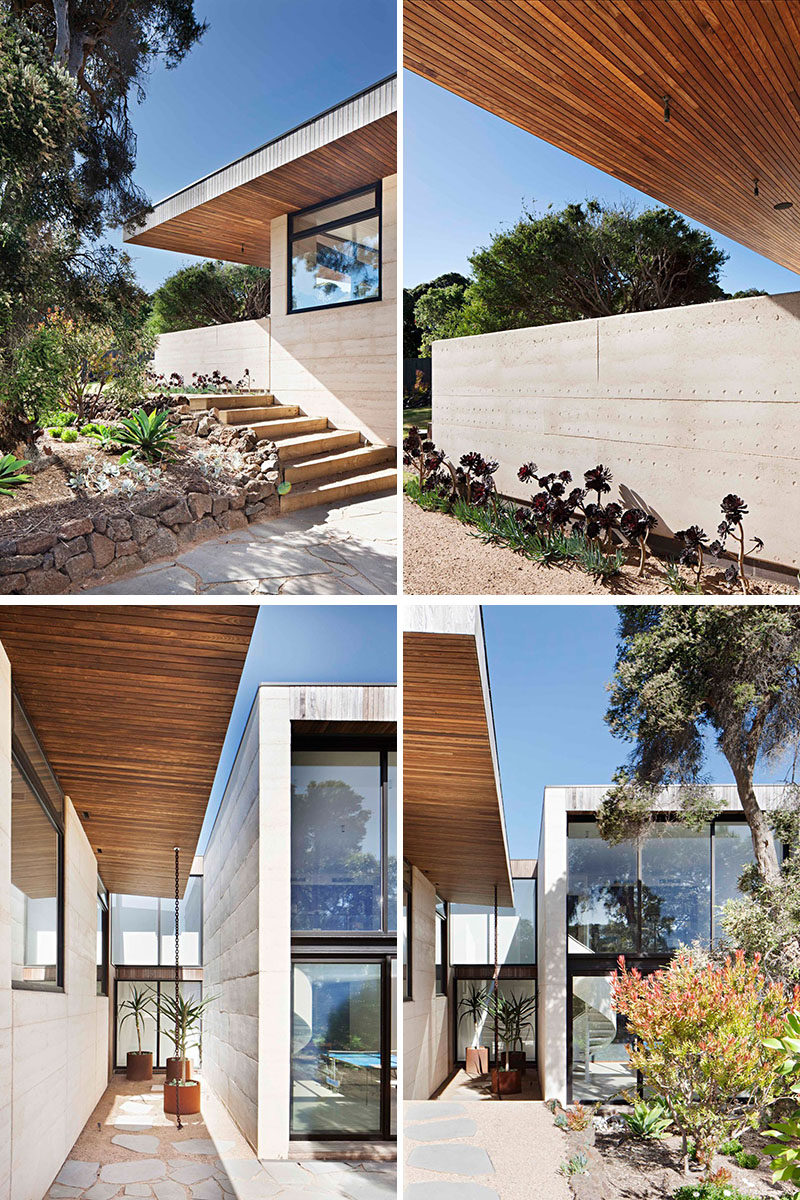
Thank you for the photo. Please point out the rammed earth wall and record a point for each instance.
(684, 405)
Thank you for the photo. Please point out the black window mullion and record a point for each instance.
(384, 786)
(337, 223)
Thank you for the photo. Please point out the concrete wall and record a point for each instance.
(230, 941)
(230, 349)
(551, 920)
(684, 405)
(340, 363)
(427, 1045)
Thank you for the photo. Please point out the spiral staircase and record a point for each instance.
(595, 1026)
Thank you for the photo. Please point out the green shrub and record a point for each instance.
(63, 418)
(55, 433)
(710, 1191)
(730, 1148)
(747, 1162)
(148, 435)
(12, 474)
(649, 1121)
(575, 1165)
(69, 435)
(785, 1153)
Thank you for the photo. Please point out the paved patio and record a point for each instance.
(479, 1087)
(456, 1151)
(130, 1148)
(349, 550)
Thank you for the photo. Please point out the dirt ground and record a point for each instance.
(442, 557)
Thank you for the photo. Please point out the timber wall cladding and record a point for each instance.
(683, 405)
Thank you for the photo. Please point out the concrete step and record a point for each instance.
(326, 465)
(249, 416)
(370, 483)
(291, 449)
(291, 427)
(243, 400)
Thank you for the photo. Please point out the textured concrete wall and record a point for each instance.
(551, 948)
(230, 349)
(427, 1050)
(230, 941)
(684, 405)
(59, 1045)
(340, 363)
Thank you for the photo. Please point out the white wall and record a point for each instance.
(6, 1069)
(230, 349)
(684, 405)
(230, 941)
(427, 1050)
(551, 917)
(340, 363)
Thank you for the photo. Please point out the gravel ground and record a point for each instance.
(442, 557)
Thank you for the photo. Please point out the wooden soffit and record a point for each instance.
(592, 77)
(131, 705)
(453, 825)
(227, 214)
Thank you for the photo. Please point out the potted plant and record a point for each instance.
(473, 1004)
(523, 1009)
(508, 1013)
(139, 1005)
(182, 1019)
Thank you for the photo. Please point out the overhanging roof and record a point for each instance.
(591, 78)
(131, 705)
(227, 214)
(453, 824)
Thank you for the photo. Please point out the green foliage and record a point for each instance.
(699, 1043)
(437, 314)
(181, 1018)
(766, 919)
(31, 387)
(576, 1165)
(12, 473)
(785, 1150)
(473, 1005)
(412, 335)
(710, 1191)
(748, 1162)
(731, 1148)
(139, 1005)
(69, 435)
(149, 435)
(649, 1121)
(210, 293)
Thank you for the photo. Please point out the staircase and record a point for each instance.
(594, 1029)
(322, 464)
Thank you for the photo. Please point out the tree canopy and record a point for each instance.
(687, 673)
(210, 293)
(412, 332)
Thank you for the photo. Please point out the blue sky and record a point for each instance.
(467, 173)
(307, 643)
(262, 67)
(548, 667)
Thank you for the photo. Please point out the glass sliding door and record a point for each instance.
(343, 1065)
(598, 1037)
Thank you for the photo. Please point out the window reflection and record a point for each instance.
(600, 1066)
(602, 897)
(34, 887)
(336, 840)
(335, 252)
(472, 930)
(676, 888)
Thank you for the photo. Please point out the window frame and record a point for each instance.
(31, 778)
(442, 919)
(104, 905)
(375, 210)
(408, 905)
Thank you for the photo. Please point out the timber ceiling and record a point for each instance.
(591, 79)
(131, 705)
(453, 827)
(235, 226)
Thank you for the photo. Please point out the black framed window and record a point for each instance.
(335, 252)
(407, 931)
(37, 862)
(143, 928)
(102, 940)
(440, 934)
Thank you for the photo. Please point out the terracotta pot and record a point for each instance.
(174, 1069)
(189, 1098)
(506, 1083)
(477, 1060)
(516, 1060)
(140, 1066)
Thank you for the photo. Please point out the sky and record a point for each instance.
(468, 173)
(262, 67)
(307, 643)
(548, 669)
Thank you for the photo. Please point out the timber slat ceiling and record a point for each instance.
(591, 79)
(227, 215)
(131, 705)
(452, 814)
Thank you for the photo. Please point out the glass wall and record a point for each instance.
(733, 851)
(602, 892)
(336, 840)
(154, 1027)
(143, 928)
(335, 252)
(102, 944)
(407, 901)
(481, 1033)
(472, 930)
(391, 850)
(440, 948)
(676, 888)
(336, 1048)
(36, 843)
(599, 1037)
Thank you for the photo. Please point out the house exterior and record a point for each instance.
(561, 920)
(318, 206)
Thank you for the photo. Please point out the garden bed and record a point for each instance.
(442, 557)
(86, 517)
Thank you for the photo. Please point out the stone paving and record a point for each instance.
(489, 1151)
(130, 1149)
(349, 550)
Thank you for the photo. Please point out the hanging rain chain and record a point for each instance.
(178, 1048)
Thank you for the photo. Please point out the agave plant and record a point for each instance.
(182, 1019)
(513, 1015)
(149, 435)
(473, 1004)
(649, 1121)
(12, 474)
(139, 1005)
